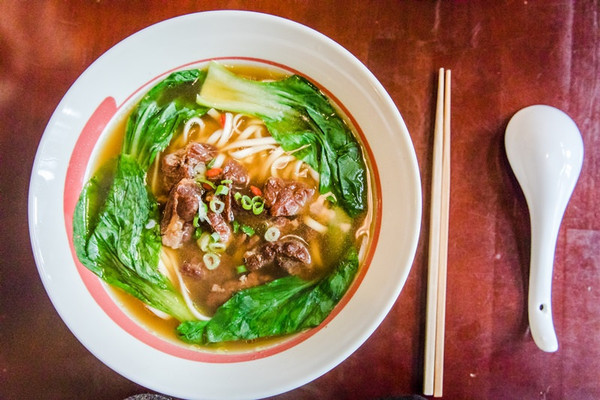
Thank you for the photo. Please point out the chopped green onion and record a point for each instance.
(258, 208)
(217, 206)
(202, 179)
(203, 241)
(211, 260)
(246, 202)
(195, 221)
(237, 196)
(222, 190)
(202, 210)
(218, 247)
(215, 237)
(197, 233)
(211, 163)
(226, 182)
(272, 234)
(241, 269)
(236, 226)
(248, 230)
(258, 205)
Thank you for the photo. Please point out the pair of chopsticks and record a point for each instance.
(438, 243)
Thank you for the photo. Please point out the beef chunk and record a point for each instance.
(228, 209)
(286, 198)
(176, 226)
(260, 256)
(233, 171)
(236, 173)
(289, 254)
(286, 225)
(293, 256)
(193, 268)
(180, 164)
(218, 224)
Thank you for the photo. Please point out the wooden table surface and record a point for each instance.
(504, 55)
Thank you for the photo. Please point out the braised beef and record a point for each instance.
(236, 173)
(193, 268)
(290, 254)
(228, 208)
(176, 226)
(286, 225)
(219, 225)
(293, 256)
(180, 164)
(285, 197)
(260, 256)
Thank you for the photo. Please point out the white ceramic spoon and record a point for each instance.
(545, 149)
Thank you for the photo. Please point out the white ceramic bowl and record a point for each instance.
(77, 129)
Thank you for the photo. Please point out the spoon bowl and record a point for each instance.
(545, 150)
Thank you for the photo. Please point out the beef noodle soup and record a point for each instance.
(252, 216)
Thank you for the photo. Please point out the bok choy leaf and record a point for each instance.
(283, 306)
(116, 232)
(299, 116)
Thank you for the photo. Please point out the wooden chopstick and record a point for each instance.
(438, 242)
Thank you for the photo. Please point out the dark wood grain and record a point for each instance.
(504, 55)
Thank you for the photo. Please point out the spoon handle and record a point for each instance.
(544, 233)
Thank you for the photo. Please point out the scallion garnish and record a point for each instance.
(211, 260)
(258, 205)
(216, 205)
(241, 269)
(217, 247)
(246, 202)
(215, 237)
(203, 241)
(202, 210)
(203, 180)
(222, 190)
(272, 234)
(248, 230)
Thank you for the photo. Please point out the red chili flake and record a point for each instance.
(255, 191)
(214, 172)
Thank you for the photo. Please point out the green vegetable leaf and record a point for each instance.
(151, 126)
(300, 117)
(115, 223)
(283, 306)
(121, 247)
